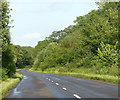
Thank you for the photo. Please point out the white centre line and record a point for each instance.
(76, 96)
(64, 89)
(56, 83)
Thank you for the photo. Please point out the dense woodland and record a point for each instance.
(90, 45)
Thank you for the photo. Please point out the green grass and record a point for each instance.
(83, 73)
(9, 84)
(18, 69)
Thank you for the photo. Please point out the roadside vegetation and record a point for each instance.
(84, 74)
(9, 83)
(88, 49)
(11, 56)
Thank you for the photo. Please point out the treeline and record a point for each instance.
(16, 57)
(23, 56)
(92, 43)
(11, 56)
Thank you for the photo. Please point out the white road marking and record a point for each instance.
(76, 96)
(52, 81)
(46, 78)
(56, 83)
(64, 88)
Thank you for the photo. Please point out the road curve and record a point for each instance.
(39, 85)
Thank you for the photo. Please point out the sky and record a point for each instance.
(36, 19)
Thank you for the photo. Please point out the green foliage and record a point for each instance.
(8, 63)
(108, 53)
(90, 45)
(58, 35)
(5, 24)
(82, 73)
(10, 83)
(23, 56)
(40, 46)
(4, 74)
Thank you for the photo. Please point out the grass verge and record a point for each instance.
(9, 84)
(98, 77)
(20, 69)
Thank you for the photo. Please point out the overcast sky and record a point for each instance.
(36, 19)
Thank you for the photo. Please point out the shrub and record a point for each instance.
(4, 74)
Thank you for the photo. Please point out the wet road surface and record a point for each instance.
(39, 85)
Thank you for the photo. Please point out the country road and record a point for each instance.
(39, 85)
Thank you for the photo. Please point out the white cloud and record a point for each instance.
(58, 7)
(32, 36)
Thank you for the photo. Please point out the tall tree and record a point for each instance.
(7, 57)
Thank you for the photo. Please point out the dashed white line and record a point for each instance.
(64, 88)
(56, 83)
(76, 96)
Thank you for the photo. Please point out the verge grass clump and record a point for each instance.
(9, 84)
(86, 73)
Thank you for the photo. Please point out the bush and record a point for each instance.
(108, 53)
(4, 74)
(8, 62)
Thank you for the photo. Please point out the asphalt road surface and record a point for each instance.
(39, 85)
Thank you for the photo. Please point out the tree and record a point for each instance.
(91, 42)
(7, 56)
(23, 56)
(108, 53)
